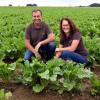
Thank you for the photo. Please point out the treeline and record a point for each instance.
(94, 5)
(31, 5)
(26, 5)
(91, 5)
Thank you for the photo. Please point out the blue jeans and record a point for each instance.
(69, 55)
(46, 51)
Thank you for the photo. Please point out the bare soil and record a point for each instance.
(21, 92)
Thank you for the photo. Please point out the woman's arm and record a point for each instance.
(70, 48)
(58, 53)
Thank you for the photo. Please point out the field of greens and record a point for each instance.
(14, 20)
(58, 74)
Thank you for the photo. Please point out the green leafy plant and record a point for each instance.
(5, 95)
(7, 71)
(95, 85)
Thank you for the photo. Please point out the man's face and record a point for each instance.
(37, 18)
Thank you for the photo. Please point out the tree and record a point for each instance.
(10, 4)
(95, 5)
(34, 4)
(31, 5)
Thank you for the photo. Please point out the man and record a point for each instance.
(39, 37)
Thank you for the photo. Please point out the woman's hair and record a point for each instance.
(73, 28)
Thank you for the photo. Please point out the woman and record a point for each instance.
(71, 45)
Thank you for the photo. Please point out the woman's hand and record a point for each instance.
(58, 49)
(58, 52)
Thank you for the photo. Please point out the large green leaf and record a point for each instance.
(44, 75)
(38, 88)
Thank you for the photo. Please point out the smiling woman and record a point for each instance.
(71, 44)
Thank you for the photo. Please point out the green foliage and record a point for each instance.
(95, 85)
(38, 88)
(14, 21)
(59, 74)
(7, 71)
(93, 46)
(31, 73)
(4, 95)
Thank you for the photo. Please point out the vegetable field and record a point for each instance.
(55, 79)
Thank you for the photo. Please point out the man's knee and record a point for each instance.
(28, 55)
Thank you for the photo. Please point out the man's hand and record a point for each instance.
(33, 50)
(29, 46)
(36, 50)
(38, 46)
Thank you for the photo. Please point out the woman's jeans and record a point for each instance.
(46, 51)
(69, 55)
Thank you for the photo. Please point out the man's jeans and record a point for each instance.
(69, 55)
(46, 51)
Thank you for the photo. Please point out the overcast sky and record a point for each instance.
(48, 2)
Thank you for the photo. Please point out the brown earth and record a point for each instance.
(21, 92)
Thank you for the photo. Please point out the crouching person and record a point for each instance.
(71, 45)
(39, 38)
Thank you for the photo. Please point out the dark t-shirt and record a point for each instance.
(37, 35)
(80, 48)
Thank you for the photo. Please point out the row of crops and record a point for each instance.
(60, 75)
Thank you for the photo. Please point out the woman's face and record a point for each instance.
(65, 27)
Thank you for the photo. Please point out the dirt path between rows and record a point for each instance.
(21, 92)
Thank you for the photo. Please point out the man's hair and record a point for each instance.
(37, 10)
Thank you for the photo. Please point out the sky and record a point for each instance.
(48, 2)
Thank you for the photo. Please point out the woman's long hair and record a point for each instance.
(73, 28)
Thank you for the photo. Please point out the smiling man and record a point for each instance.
(39, 37)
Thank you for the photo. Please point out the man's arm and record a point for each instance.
(29, 46)
(27, 39)
(70, 48)
(50, 38)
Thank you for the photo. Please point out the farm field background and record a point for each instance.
(13, 22)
